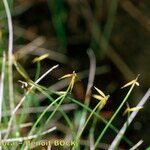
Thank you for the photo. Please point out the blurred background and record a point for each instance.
(116, 31)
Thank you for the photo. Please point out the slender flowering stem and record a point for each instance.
(130, 119)
(115, 114)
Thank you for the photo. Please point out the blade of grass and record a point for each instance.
(2, 90)
(10, 58)
(10, 51)
(43, 113)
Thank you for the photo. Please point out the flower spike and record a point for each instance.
(99, 91)
(131, 83)
(128, 109)
(73, 77)
(102, 97)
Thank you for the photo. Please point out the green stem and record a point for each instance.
(40, 117)
(43, 113)
(113, 117)
(102, 119)
(93, 127)
(79, 135)
(61, 110)
(62, 97)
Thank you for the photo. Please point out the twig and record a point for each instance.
(21, 139)
(130, 119)
(22, 100)
(2, 89)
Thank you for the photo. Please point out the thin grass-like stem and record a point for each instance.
(10, 57)
(2, 90)
(43, 113)
(85, 124)
(61, 99)
(114, 115)
(128, 122)
(100, 118)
